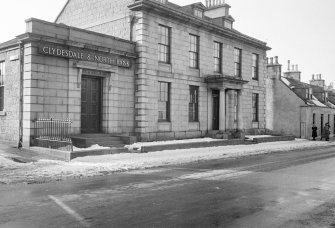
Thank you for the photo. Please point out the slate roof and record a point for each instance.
(299, 88)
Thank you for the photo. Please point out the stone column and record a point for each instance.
(210, 109)
(222, 110)
(239, 111)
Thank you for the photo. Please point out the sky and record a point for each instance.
(302, 31)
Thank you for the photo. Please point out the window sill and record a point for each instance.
(164, 121)
(255, 79)
(2, 113)
(195, 69)
(164, 63)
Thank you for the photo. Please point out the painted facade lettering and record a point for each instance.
(83, 55)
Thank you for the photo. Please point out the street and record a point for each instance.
(294, 189)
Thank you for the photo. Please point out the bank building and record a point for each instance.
(143, 69)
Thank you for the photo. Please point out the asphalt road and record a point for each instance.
(289, 189)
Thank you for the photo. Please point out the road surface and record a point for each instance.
(289, 189)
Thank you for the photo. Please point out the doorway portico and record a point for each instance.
(225, 103)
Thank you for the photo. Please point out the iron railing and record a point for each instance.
(53, 133)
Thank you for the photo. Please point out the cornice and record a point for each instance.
(177, 14)
(31, 37)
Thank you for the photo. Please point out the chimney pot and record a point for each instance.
(313, 77)
(276, 59)
(271, 60)
(289, 65)
(296, 68)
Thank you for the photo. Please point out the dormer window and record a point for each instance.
(307, 93)
(199, 13)
(228, 24)
(161, 1)
(324, 96)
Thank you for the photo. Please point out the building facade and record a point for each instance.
(194, 74)
(294, 106)
(60, 72)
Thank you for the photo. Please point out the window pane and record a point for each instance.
(255, 66)
(255, 107)
(2, 98)
(164, 44)
(164, 102)
(194, 51)
(238, 60)
(193, 105)
(217, 57)
(2, 72)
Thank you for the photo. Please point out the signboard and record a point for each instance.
(97, 73)
(83, 55)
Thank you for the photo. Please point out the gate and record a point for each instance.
(53, 133)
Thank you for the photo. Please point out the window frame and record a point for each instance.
(198, 12)
(194, 51)
(164, 44)
(255, 107)
(238, 62)
(217, 57)
(164, 99)
(255, 66)
(193, 106)
(2, 85)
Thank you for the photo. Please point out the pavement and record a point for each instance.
(20, 155)
(24, 166)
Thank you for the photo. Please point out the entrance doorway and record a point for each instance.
(216, 109)
(91, 91)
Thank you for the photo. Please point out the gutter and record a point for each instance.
(21, 60)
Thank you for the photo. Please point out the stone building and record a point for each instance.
(60, 72)
(294, 106)
(195, 74)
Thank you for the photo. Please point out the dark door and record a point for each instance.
(216, 109)
(90, 105)
(321, 124)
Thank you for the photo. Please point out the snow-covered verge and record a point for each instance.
(138, 146)
(47, 170)
(251, 137)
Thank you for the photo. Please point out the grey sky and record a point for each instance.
(299, 30)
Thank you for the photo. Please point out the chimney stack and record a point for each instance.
(289, 65)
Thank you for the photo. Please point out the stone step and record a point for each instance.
(84, 153)
(85, 141)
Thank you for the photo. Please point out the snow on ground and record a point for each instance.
(138, 146)
(251, 137)
(94, 147)
(102, 165)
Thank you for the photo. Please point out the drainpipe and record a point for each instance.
(21, 63)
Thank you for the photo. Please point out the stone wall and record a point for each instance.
(97, 15)
(9, 118)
